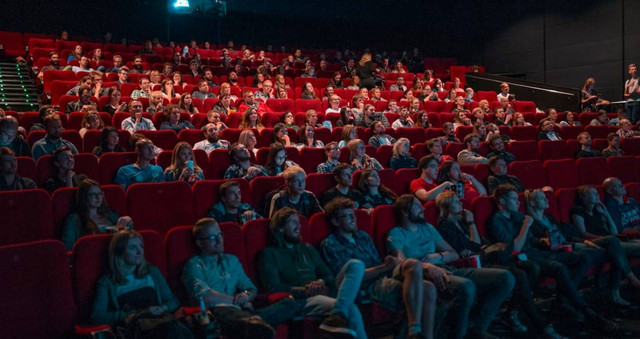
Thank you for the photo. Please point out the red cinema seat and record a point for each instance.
(12, 42)
(524, 133)
(414, 134)
(160, 206)
(281, 105)
(260, 188)
(524, 150)
(85, 163)
(630, 146)
(318, 183)
(110, 163)
(27, 119)
(218, 163)
(482, 207)
(256, 233)
(205, 195)
(561, 173)
(404, 176)
(530, 173)
(303, 105)
(453, 148)
(435, 106)
(592, 171)
(19, 223)
(525, 106)
(553, 149)
(571, 132)
(565, 199)
(89, 261)
(633, 190)
(382, 221)
(625, 168)
(36, 292)
(27, 168)
(384, 154)
(310, 158)
(165, 139)
(463, 131)
(600, 132)
(490, 96)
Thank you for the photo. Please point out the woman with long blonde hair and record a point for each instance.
(183, 167)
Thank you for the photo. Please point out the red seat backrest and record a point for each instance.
(160, 206)
(36, 291)
(565, 199)
(630, 146)
(19, 223)
(524, 150)
(530, 173)
(592, 171)
(625, 168)
(110, 163)
(310, 158)
(85, 163)
(404, 176)
(218, 163)
(561, 173)
(553, 149)
(27, 167)
(318, 183)
(383, 221)
(256, 233)
(483, 208)
(261, 186)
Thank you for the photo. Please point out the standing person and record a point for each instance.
(367, 73)
(632, 94)
(414, 238)
(291, 266)
(133, 289)
(391, 282)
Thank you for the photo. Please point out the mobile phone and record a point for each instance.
(190, 164)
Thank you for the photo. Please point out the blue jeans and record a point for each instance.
(633, 110)
(493, 286)
(348, 283)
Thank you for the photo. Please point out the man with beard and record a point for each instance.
(251, 102)
(414, 238)
(208, 75)
(83, 66)
(391, 282)
(497, 149)
(212, 140)
(449, 132)
(470, 156)
(584, 139)
(54, 63)
(203, 91)
(294, 194)
(137, 66)
(10, 180)
(52, 140)
(241, 166)
(290, 266)
(233, 78)
(142, 170)
(230, 207)
(84, 100)
(218, 279)
(343, 177)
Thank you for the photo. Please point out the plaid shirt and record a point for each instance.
(326, 167)
(236, 171)
(337, 250)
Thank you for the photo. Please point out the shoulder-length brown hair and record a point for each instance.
(117, 247)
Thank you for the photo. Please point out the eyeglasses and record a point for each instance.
(213, 237)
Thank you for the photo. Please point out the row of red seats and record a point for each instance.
(176, 203)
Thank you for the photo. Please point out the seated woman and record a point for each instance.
(214, 118)
(224, 105)
(63, 174)
(422, 120)
(451, 96)
(182, 167)
(461, 119)
(186, 104)
(349, 132)
(114, 105)
(92, 215)
(346, 117)
(601, 120)
(91, 121)
(109, 142)
(307, 138)
(281, 93)
(308, 92)
(467, 186)
(251, 119)
(374, 192)
(172, 114)
(248, 139)
(177, 79)
(277, 160)
(134, 289)
(435, 146)
(281, 135)
(484, 106)
(518, 120)
(358, 159)
(570, 119)
(481, 130)
(288, 121)
(167, 90)
(549, 230)
(401, 157)
(311, 118)
(355, 83)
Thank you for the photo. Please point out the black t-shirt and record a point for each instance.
(333, 193)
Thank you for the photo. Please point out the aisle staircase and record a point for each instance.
(17, 91)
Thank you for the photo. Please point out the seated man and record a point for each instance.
(142, 170)
(449, 132)
(584, 139)
(136, 122)
(218, 279)
(230, 207)
(241, 166)
(250, 102)
(613, 149)
(497, 149)
(10, 138)
(332, 151)
(470, 155)
(399, 85)
(63, 174)
(212, 140)
(294, 195)
(425, 187)
(266, 92)
(343, 176)
(380, 137)
(498, 175)
(404, 120)
(54, 64)
(391, 282)
(294, 267)
(414, 238)
(83, 66)
(52, 141)
(547, 132)
(145, 89)
(625, 214)
(203, 91)
(138, 66)
(436, 146)
(84, 100)
(123, 76)
(10, 180)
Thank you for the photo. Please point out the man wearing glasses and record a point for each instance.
(333, 155)
(219, 281)
(136, 122)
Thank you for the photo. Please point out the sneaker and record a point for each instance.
(337, 323)
(550, 333)
(255, 327)
(514, 323)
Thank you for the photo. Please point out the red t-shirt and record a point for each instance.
(419, 183)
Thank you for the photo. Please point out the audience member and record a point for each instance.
(10, 180)
(374, 192)
(602, 119)
(625, 130)
(186, 104)
(172, 114)
(632, 94)
(136, 122)
(203, 92)
(52, 140)
(625, 213)
(84, 101)
(425, 187)
(435, 146)
(183, 167)
(401, 157)
(613, 149)
(422, 120)
(332, 152)
(63, 174)
(294, 194)
(343, 175)
(142, 170)
(358, 158)
(470, 155)
(404, 120)
(145, 89)
(591, 101)
(498, 175)
(241, 166)
(114, 105)
(224, 105)
(584, 139)
(547, 132)
(109, 142)
(251, 119)
(10, 138)
(569, 119)
(380, 137)
(212, 139)
(467, 186)
(307, 138)
(277, 161)
(248, 139)
(156, 103)
(91, 121)
(497, 149)
(449, 132)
